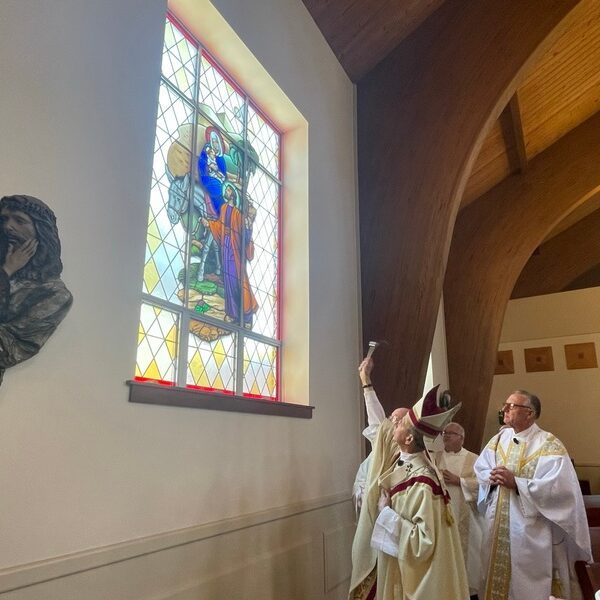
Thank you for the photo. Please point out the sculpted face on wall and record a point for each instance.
(33, 299)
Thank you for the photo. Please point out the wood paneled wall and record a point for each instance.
(493, 239)
(423, 114)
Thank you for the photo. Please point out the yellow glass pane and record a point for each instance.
(151, 276)
(152, 372)
(171, 341)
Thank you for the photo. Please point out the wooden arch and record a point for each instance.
(493, 240)
(422, 116)
(558, 263)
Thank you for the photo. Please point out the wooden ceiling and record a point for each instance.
(361, 33)
(559, 93)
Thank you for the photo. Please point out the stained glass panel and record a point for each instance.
(165, 243)
(215, 265)
(260, 369)
(179, 60)
(211, 358)
(263, 193)
(173, 141)
(265, 141)
(212, 239)
(157, 344)
(220, 96)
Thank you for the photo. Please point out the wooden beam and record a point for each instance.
(561, 260)
(423, 114)
(517, 136)
(493, 239)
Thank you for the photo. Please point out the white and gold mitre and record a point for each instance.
(432, 412)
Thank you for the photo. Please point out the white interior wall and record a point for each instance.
(437, 367)
(570, 398)
(80, 467)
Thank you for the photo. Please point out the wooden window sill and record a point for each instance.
(154, 393)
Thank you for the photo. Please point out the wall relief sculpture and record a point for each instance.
(33, 298)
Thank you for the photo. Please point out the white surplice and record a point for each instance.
(375, 416)
(533, 537)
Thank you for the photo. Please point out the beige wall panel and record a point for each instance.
(281, 559)
(338, 568)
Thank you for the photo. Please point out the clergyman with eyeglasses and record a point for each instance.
(535, 522)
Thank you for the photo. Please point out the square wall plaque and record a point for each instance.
(539, 359)
(505, 364)
(581, 356)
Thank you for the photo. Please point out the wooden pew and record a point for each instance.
(592, 509)
(589, 574)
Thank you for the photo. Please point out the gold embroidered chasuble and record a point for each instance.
(532, 537)
(364, 558)
(429, 561)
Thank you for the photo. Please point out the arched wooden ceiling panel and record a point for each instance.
(422, 117)
(493, 163)
(493, 239)
(564, 88)
(581, 212)
(562, 91)
(361, 33)
(561, 260)
(586, 280)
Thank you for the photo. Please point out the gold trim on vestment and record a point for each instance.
(552, 446)
(362, 591)
(499, 570)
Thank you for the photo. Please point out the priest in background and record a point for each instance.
(456, 465)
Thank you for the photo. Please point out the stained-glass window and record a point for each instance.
(210, 312)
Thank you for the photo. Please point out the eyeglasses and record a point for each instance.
(510, 405)
(451, 433)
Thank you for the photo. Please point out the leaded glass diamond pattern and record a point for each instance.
(263, 190)
(179, 60)
(172, 114)
(262, 270)
(211, 365)
(264, 318)
(165, 243)
(243, 167)
(260, 369)
(157, 344)
(218, 93)
(265, 140)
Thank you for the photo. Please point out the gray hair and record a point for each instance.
(534, 401)
(460, 428)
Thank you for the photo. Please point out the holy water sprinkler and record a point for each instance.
(372, 347)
